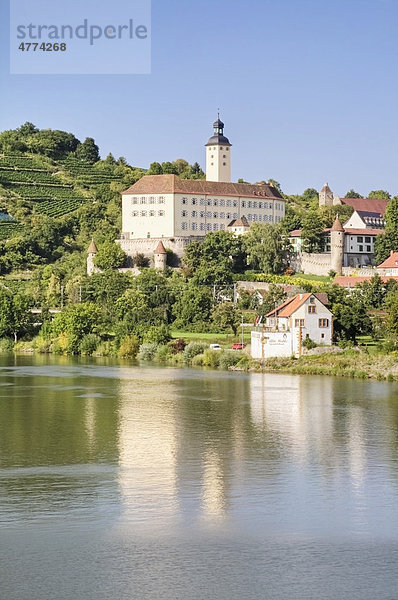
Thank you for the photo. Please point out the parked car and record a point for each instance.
(238, 346)
(215, 347)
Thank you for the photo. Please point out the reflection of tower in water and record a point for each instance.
(148, 448)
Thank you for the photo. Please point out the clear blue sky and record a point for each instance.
(307, 91)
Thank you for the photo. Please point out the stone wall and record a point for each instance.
(147, 246)
(312, 264)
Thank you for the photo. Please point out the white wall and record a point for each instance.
(218, 163)
(156, 225)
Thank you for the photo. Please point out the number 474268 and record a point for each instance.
(44, 47)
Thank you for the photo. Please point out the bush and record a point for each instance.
(89, 344)
(105, 349)
(211, 358)
(6, 345)
(197, 360)
(42, 345)
(193, 349)
(230, 358)
(163, 353)
(178, 345)
(129, 347)
(245, 362)
(147, 351)
(309, 344)
(157, 334)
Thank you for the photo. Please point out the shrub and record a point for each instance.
(6, 345)
(147, 351)
(105, 349)
(89, 344)
(211, 358)
(129, 347)
(193, 349)
(163, 353)
(157, 334)
(197, 360)
(230, 358)
(42, 345)
(245, 362)
(140, 260)
(178, 345)
(309, 344)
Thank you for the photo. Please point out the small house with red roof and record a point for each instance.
(390, 266)
(282, 331)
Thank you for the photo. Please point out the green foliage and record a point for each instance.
(157, 334)
(312, 232)
(6, 345)
(353, 194)
(226, 316)
(89, 344)
(193, 349)
(110, 256)
(16, 318)
(379, 195)
(75, 322)
(391, 216)
(129, 347)
(147, 351)
(230, 358)
(211, 358)
(193, 305)
(308, 343)
(272, 298)
(216, 259)
(88, 151)
(267, 248)
(163, 353)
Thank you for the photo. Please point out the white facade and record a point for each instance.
(286, 328)
(218, 163)
(175, 215)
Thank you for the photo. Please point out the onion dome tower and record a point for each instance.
(218, 154)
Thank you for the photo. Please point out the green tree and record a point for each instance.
(379, 195)
(110, 256)
(353, 194)
(155, 168)
(272, 298)
(312, 231)
(15, 314)
(194, 305)
(88, 151)
(76, 321)
(387, 242)
(226, 316)
(267, 248)
(391, 216)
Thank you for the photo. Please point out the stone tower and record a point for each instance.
(218, 154)
(91, 253)
(326, 196)
(160, 256)
(337, 246)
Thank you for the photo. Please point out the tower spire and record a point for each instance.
(218, 155)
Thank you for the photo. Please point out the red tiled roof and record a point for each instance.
(289, 306)
(337, 226)
(171, 184)
(242, 222)
(391, 261)
(351, 281)
(352, 231)
(160, 249)
(366, 204)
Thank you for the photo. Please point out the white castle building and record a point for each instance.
(176, 211)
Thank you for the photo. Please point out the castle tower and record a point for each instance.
(326, 196)
(91, 253)
(160, 256)
(337, 246)
(218, 154)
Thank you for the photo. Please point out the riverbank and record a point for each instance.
(359, 363)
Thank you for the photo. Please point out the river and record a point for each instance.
(122, 482)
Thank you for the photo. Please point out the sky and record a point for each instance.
(307, 90)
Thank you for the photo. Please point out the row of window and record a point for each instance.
(148, 200)
(203, 226)
(368, 239)
(322, 323)
(150, 213)
(221, 148)
(222, 202)
(210, 215)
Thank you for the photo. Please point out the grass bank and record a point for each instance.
(350, 363)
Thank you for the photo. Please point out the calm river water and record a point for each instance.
(120, 482)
